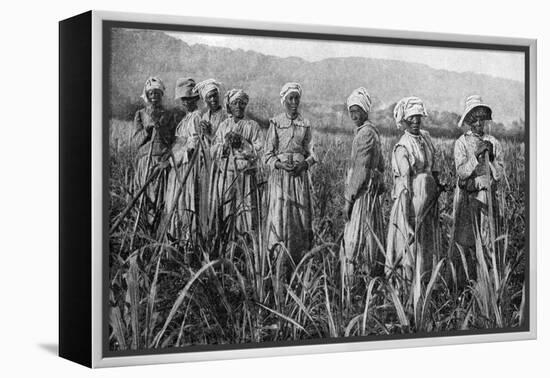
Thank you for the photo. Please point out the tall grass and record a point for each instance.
(235, 291)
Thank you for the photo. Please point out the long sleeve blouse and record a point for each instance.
(249, 130)
(187, 136)
(366, 160)
(412, 155)
(145, 121)
(289, 137)
(466, 163)
(215, 119)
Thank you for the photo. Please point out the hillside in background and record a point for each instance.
(137, 54)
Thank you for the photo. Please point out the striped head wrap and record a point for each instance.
(361, 98)
(407, 107)
(289, 88)
(206, 86)
(232, 95)
(152, 83)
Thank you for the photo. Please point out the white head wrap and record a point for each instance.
(361, 98)
(152, 83)
(205, 86)
(232, 95)
(289, 88)
(407, 107)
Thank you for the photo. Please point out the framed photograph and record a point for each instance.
(235, 189)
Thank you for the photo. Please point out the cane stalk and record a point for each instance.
(158, 252)
(178, 194)
(419, 261)
(491, 222)
(132, 202)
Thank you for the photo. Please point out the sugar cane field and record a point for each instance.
(234, 292)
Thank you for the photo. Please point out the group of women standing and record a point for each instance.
(210, 160)
(413, 239)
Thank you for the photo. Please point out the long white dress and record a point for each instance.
(364, 231)
(289, 217)
(162, 121)
(185, 220)
(235, 184)
(474, 184)
(413, 229)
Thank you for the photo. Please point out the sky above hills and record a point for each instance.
(508, 65)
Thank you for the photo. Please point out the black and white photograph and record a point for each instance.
(280, 189)
(275, 189)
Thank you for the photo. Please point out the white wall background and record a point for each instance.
(29, 190)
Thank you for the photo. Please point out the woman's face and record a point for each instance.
(237, 108)
(413, 124)
(357, 115)
(212, 99)
(292, 102)
(477, 119)
(154, 96)
(189, 104)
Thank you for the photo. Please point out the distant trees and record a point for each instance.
(438, 123)
(137, 54)
(333, 118)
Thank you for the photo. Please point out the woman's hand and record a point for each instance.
(226, 150)
(299, 168)
(165, 164)
(285, 166)
(485, 147)
(480, 150)
(205, 127)
(240, 154)
(149, 128)
(348, 209)
(490, 149)
(441, 186)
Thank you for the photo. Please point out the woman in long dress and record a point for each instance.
(479, 166)
(289, 154)
(363, 233)
(184, 220)
(413, 242)
(237, 149)
(152, 138)
(213, 114)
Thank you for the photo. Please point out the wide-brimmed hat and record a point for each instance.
(185, 88)
(472, 102)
